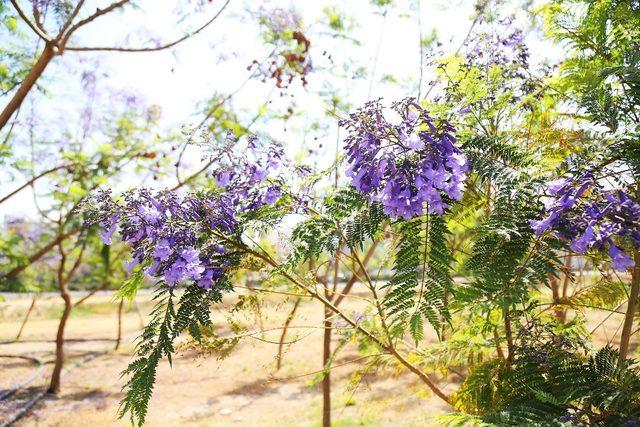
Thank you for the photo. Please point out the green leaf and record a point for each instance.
(11, 23)
(130, 287)
(421, 275)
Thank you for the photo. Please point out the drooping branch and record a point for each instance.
(331, 306)
(149, 48)
(32, 181)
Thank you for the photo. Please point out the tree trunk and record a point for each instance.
(54, 386)
(555, 291)
(632, 308)
(36, 71)
(26, 317)
(509, 335)
(326, 380)
(119, 338)
(283, 335)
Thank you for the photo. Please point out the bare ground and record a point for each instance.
(243, 389)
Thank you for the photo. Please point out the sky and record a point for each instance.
(179, 80)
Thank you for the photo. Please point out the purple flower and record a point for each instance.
(592, 220)
(413, 141)
(176, 236)
(619, 260)
(129, 266)
(149, 213)
(406, 168)
(209, 277)
(272, 194)
(163, 250)
(108, 226)
(206, 280)
(581, 244)
(175, 273)
(258, 175)
(107, 232)
(556, 185)
(223, 178)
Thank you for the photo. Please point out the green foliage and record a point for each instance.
(132, 284)
(358, 219)
(605, 294)
(601, 69)
(421, 276)
(506, 257)
(311, 239)
(346, 217)
(482, 389)
(156, 342)
(554, 387)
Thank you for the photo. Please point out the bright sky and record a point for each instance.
(181, 79)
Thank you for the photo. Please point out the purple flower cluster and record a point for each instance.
(249, 172)
(499, 46)
(589, 216)
(500, 56)
(279, 20)
(291, 57)
(164, 231)
(181, 237)
(408, 166)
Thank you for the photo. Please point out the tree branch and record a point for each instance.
(30, 80)
(32, 180)
(97, 14)
(354, 278)
(150, 48)
(328, 304)
(39, 254)
(69, 20)
(31, 25)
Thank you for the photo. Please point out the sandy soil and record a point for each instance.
(243, 389)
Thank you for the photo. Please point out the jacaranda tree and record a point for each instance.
(476, 194)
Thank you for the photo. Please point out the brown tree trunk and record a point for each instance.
(632, 308)
(509, 335)
(54, 386)
(26, 317)
(326, 380)
(119, 338)
(326, 343)
(283, 335)
(555, 291)
(36, 71)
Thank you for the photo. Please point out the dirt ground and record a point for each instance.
(243, 389)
